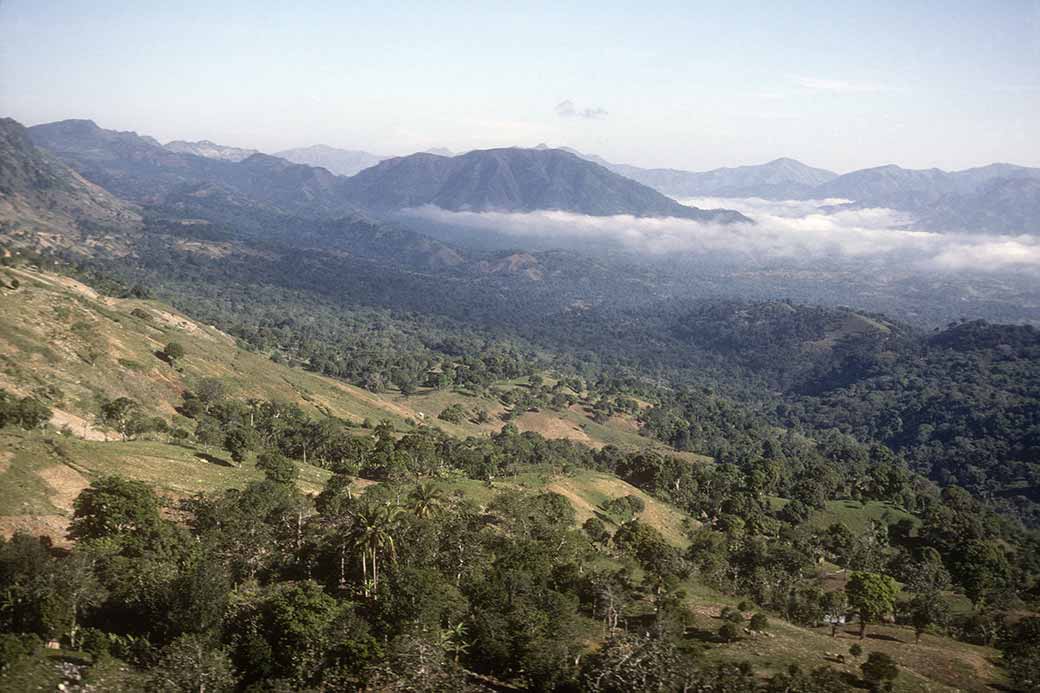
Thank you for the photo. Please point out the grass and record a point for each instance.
(854, 514)
(43, 474)
(857, 515)
(90, 347)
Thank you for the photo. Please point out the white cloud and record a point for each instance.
(836, 86)
(794, 231)
(567, 109)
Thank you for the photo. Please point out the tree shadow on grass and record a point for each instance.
(702, 635)
(213, 459)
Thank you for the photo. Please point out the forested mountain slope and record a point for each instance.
(515, 180)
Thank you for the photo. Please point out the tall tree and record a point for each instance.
(374, 528)
(871, 596)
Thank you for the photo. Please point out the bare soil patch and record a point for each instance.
(76, 425)
(65, 484)
(53, 526)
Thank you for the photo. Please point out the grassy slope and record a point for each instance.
(42, 473)
(57, 332)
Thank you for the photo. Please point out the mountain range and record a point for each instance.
(512, 180)
(998, 198)
(1001, 198)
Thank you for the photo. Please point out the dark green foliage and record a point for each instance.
(121, 414)
(27, 412)
(16, 646)
(925, 610)
(625, 506)
(453, 414)
(114, 507)
(173, 352)
(632, 663)
(646, 545)
(729, 632)
(871, 596)
(192, 663)
(1020, 646)
(819, 680)
(596, 531)
(879, 671)
(238, 441)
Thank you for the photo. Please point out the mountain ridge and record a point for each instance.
(342, 162)
(515, 180)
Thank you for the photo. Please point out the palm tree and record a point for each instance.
(373, 534)
(454, 640)
(426, 500)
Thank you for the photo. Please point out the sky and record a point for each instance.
(841, 85)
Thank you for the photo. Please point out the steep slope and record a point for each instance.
(1003, 205)
(210, 150)
(61, 339)
(342, 162)
(514, 180)
(139, 168)
(43, 202)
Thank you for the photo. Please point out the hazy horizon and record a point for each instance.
(952, 85)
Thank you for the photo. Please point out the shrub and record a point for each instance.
(13, 647)
(759, 622)
(454, 414)
(879, 671)
(732, 615)
(729, 633)
(173, 351)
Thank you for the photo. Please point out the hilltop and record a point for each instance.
(515, 180)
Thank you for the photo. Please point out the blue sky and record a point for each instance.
(836, 84)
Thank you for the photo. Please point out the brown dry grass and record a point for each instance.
(552, 427)
(64, 483)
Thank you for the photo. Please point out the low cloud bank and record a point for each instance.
(795, 230)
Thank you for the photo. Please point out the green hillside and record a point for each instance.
(64, 344)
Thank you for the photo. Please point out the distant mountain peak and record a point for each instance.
(210, 150)
(342, 162)
(515, 179)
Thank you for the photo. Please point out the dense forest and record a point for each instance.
(407, 587)
(960, 405)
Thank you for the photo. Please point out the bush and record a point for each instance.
(759, 622)
(729, 633)
(732, 615)
(879, 671)
(173, 351)
(596, 530)
(13, 647)
(454, 414)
